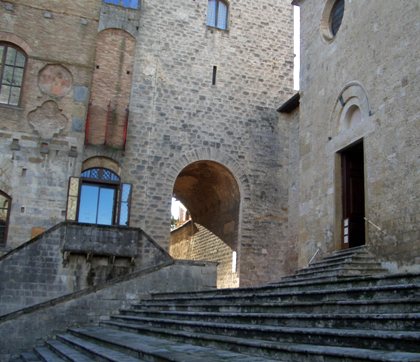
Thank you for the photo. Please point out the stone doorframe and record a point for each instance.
(350, 121)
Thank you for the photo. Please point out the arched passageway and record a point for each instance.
(211, 194)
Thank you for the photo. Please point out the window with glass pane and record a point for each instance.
(4, 216)
(337, 13)
(131, 4)
(12, 67)
(217, 14)
(97, 204)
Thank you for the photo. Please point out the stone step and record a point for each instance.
(157, 349)
(375, 339)
(326, 283)
(96, 351)
(356, 250)
(279, 350)
(334, 271)
(45, 354)
(357, 293)
(345, 259)
(344, 264)
(67, 352)
(399, 305)
(407, 322)
(29, 357)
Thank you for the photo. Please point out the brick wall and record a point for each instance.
(194, 242)
(111, 88)
(34, 176)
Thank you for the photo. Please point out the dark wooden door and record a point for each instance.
(353, 196)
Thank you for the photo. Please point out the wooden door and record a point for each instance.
(353, 196)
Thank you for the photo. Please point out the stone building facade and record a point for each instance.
(109, 108)
(359, 130)
(135, 102)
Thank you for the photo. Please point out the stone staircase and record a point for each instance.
(342, 308)
(343, 263)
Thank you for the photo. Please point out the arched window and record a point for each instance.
(131, 4)
(217, 14)
(337, 13)
(5, 202)
(98, 197)
(12, 68)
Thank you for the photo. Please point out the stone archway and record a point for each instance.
(212, 195)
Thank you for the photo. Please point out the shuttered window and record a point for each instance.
(5, 202)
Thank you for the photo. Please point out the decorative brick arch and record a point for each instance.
(14, 39)
(101, 162)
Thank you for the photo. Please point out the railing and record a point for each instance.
(314, 256)
(378, 228)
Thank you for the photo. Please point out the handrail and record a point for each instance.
(371, 222)
(378, 228)
(313, 256)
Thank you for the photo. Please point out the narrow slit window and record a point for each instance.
(213, 82)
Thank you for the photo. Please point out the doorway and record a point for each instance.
(211, 194)
(353, 196)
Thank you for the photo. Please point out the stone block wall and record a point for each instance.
(17, 332)
(48, 125)
(71, 257)
(194, 242)
(177, 117)
(372, 61)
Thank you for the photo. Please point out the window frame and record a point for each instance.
(74, 197)
(6, 225)
(18, 49)
(121, 3)
(336, 16)
(216, 15)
